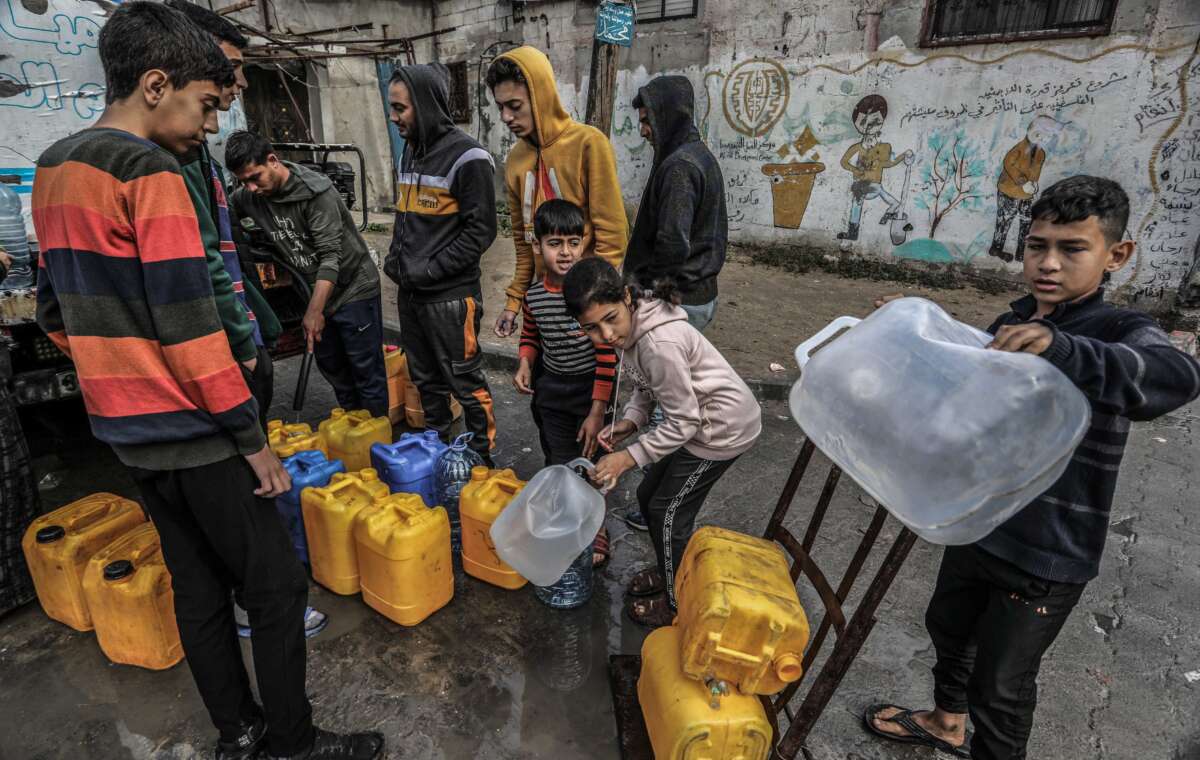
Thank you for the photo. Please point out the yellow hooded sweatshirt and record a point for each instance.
(576, 164)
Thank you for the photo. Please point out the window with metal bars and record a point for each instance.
(958, 22)
(460, 96)
(664, 10)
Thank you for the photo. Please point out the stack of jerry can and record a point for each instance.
(329, 513)
(481, 502)
(740, 633)
(350, 435)
(397, 378)
(59, 545)
(129, 595)
(288, 439)
(307, 469)
(404, 565)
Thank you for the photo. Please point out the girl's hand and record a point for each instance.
(522, 378)
(589, 432)
(611, 467)
(610, 436)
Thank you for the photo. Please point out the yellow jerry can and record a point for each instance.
(480, 503)
(287, 439)
(414, 413)
(349, 436)
(397, 376)
(404, 558)
(129, 595)
(685, 721)
(739, 614)
(58, 546)
(329, 513)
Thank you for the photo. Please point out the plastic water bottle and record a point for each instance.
(13, 240)
(451, 473)
(573, 589)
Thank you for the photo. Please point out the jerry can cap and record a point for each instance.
(431, 435)
(479, 472)
(50, 534)
(460, 443)
(367, 475)
(115, 571)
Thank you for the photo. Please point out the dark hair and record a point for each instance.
(870, 104)
(557, 216)
(244, 148)
(218, 26)
(1076, 198)
(593, 280)
(141, 36)
(504, 70)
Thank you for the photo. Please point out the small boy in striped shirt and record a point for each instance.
(570, 381)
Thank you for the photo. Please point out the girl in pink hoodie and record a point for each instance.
(711, 417)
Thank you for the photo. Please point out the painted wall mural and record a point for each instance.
(940, 157)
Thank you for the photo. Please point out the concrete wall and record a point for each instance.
(777, 82)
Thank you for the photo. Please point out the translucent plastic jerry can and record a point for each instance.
(397, 377)
(350, 435)
(740, 619)
(329, 513)
(307, 469)
(685, 720)
(58, 546)
(289, 439)
(950, 436)
(407, 465)
(404, 558)
(554, 518)
(480, 503)
(129, 594)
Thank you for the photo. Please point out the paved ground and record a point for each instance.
(497, 676)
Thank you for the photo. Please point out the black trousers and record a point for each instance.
(671, 496)
(261, 383)
(442, 343)
(560, 405)
(991, 622)
(217, 535)
(350, 356)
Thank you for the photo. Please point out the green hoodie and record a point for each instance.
(314, 233)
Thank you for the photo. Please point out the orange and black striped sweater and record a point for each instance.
(124, 290)
(547, 330)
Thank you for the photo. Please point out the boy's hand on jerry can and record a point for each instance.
(272, 478)
(611, 467)
(1029, 338)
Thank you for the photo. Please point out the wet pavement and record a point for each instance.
(496, 675)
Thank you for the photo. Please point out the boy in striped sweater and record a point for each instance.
(124, 290)
(573, 382)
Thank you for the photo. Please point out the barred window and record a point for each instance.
(958, 22)
(664, 10)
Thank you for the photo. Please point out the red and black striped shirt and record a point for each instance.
(549, 331)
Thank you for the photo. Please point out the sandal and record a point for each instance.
(647, 582)
(600, 549)
(651, 611)
(917, 735)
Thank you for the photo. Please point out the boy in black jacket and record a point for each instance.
(445, 220)
(1000, 603)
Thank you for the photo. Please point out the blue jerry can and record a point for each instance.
(307, 468)
(408, 465)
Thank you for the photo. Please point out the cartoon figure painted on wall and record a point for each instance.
(866, 161)
(1018, 185)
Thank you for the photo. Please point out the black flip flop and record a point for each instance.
(661, 615)
(917, 735)
(645, 591)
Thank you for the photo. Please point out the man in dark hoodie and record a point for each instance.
(314, 234)
(681, 228)
(445, 220)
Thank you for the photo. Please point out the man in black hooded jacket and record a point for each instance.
(681, 226)
(445, 220)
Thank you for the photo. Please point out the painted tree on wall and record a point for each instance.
(952, 178)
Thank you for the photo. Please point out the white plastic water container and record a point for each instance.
(549, 523)
(14, 240)
(950, 437)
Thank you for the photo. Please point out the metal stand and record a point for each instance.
(850, 635)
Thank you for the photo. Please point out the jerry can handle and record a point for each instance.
(462, 440)
(805, 349)
(581, 466)
(94, 514)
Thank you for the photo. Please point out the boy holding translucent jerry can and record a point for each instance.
(999, 603)
(573, 380)
(712, 418)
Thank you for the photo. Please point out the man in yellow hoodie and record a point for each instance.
(554, 157)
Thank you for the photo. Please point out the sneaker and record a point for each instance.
(314, 622)
(329, 746)
(247, 745)
(635, 520)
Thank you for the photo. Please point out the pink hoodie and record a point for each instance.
(709, 410)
